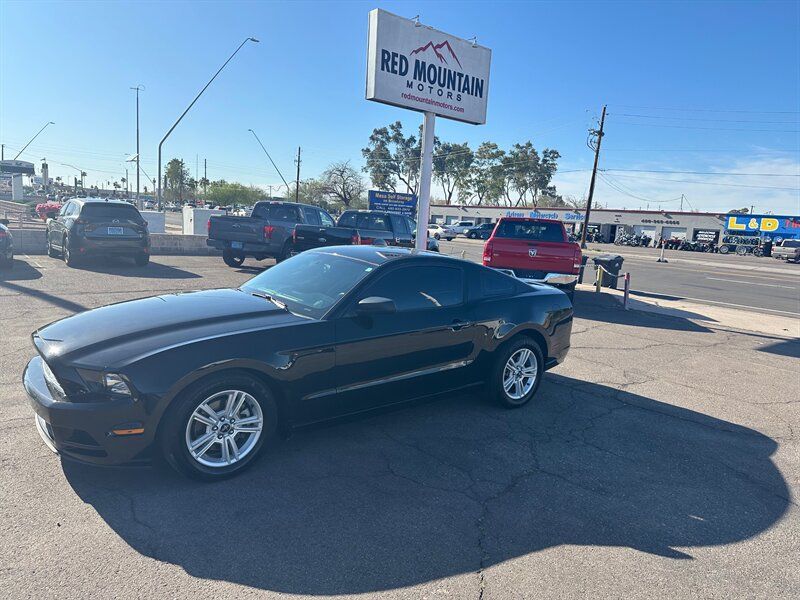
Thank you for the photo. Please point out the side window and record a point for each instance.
(399, 225)
(420, 287)
(311, 216)
(325, 219)
(347, 219)
(64, 209)
(494, 284)
(412, 226)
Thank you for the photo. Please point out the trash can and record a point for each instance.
(612, 264)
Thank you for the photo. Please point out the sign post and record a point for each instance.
(426, 168)
(414, 66)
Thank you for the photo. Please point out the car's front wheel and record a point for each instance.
(142, 260)
(517, 373)
(217, 428)
(50, 252)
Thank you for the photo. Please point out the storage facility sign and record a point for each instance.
(417, 67)
(393, 202)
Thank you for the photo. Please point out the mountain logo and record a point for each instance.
(437, 51)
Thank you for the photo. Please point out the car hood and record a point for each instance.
(123, 332)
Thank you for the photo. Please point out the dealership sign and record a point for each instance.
(393, 202)
(414, 66)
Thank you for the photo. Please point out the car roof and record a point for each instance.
(527, 219)
(90, 200)
(383, 254)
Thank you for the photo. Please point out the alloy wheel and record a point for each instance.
(224, 428)
(519, 373)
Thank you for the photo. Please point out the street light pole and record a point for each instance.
(33, 138)
(272, 161)
(183, 114)
(138, 200)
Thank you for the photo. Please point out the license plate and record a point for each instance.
(115, 231)
(237, 245)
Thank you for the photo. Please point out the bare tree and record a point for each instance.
(343, 182)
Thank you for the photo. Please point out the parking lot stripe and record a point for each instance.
(33, 261)
(773, 285)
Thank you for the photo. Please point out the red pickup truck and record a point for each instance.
(534, 249)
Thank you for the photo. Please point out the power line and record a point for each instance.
(714, 110)
(736, 185)
(704, 119)
(619, 187)
(708, 128)
(706, 173)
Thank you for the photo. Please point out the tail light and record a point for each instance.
(268, 229)
(487, 252)
(355, 239)
(577, 260)
(294, 236)
(208, 227)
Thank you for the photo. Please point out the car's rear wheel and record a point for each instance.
(218, 428)
(141, 260)
(68, 255)
(517, 373)
(287, 252)
(231, 259)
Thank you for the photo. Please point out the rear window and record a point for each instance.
(530, 230)
(110, 211)
(493, 284)
(791, 243)
(277, 212)
(372, 221)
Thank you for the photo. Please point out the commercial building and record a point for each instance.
(696, 226)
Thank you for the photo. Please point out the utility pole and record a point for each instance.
(127, 184)
(681, 202)
(297, 183)
(2, 151)
(599, 134)
(205, 176)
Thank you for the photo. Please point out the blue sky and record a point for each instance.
(553, 66)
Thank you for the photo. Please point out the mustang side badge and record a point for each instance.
(532, 252)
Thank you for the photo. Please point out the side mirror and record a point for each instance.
(3, 221)
(375, 305)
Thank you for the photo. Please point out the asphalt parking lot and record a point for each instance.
(660, 460)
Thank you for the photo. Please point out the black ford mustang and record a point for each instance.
(206, 378)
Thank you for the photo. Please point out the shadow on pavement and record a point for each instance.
(126, 268)
(606, 308)
(453, 487)
(790, 348)
(19, 271)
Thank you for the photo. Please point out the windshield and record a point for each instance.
(312, 282)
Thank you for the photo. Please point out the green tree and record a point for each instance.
(393, 159)
(223, 193)
(176, 175)
(452, 164)
(487, 177)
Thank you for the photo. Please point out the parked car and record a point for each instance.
(149, 205)
(366, 227)
(6, 245)
(480, 232)
(536, 250)
(461, 227)
(438, 231)
(102, 227)
(208, 379)
(266, 233)
(788, 250)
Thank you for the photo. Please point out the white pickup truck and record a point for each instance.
(788, 250)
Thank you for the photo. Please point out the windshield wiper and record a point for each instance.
(272, 299)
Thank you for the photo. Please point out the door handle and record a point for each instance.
(458, 324)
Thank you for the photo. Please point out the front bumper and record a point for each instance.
(84, 431)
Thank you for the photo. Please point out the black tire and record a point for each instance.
(69, 258)
(7, 263)
(231, 259)
(437, 236)
(142, 260)
(286, 252)
(495, 383)
(724, 249)
(173, 429)
(449, 239)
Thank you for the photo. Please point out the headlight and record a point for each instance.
(50, 378)
(115, 384)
